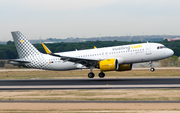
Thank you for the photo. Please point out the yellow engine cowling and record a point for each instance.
(108, 65)
(124, 67)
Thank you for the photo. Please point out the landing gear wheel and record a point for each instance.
(91, 75)
(101, 75)
(152, 69)
(151, 64)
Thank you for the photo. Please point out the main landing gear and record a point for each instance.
(101, 75)
(151, 64)
(91, 74)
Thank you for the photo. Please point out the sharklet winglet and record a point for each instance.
(46, 49)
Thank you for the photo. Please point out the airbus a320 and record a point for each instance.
(116, 58)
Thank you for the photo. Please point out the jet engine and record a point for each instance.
(124, 67)
(113, 65)
(109, 65)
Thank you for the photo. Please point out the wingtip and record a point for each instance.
(46, 49)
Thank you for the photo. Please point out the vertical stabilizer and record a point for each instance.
(23, 46)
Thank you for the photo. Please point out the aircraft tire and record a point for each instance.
(101, 75)
(91, 75)
(152, 69)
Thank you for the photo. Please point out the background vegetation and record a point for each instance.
(8, 51)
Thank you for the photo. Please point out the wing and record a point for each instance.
(84, 61)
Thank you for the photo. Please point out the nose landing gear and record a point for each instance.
(151, 64)
(152, 69)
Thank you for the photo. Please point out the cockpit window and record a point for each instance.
(161, 47)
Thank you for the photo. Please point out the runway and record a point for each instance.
(105, 83)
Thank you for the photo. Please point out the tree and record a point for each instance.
(10, 42)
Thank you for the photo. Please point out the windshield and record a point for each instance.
(161, 47)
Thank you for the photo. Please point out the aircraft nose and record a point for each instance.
(171, 52)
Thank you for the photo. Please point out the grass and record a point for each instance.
(83, 74)
(103, 94)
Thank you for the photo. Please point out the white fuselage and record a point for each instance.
(135, 53)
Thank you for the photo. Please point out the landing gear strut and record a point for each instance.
(151, 64)
(101, 75)
(91, 74)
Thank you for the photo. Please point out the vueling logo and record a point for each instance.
(137, 46)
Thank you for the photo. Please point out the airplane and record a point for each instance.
(116, 58)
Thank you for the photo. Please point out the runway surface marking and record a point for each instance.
(107, 83)
(96, 86)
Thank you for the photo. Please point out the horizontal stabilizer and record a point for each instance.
(19, 62)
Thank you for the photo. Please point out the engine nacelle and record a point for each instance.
(124, 67)
(109, 65)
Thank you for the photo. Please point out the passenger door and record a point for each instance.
(148, 49)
